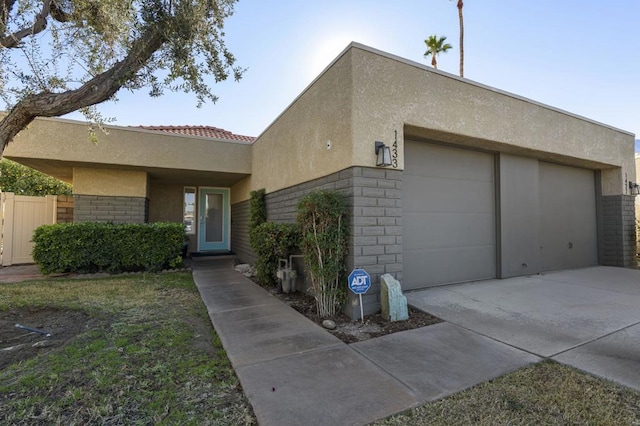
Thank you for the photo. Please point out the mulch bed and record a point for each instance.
(350, 331)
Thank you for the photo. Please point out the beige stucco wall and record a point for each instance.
(394, 94)
(367, 96)
(294, 148)
(61, 143)
(122, 183)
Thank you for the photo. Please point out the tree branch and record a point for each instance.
(58, 14)
(39, 24)
(99, 89)
(6, 6)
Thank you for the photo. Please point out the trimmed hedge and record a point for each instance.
(108, 247)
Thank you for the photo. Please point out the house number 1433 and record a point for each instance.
(394, 152)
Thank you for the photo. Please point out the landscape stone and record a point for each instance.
(246, 269)
(329, 325)
(393, 302)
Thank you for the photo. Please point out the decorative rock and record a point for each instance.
(329, 325)
(393, 302)
(245, 269)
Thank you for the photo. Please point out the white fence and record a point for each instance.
(21, 215)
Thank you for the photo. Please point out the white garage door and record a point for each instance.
(448, 215)
(568, 229)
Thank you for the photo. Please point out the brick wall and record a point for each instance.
(95, 208)
(240, 244)
(64, 209)
(618, 244)
(376, 229)
(373, 196)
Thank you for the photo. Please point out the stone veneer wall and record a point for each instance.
(373, 196)
(97, 208)
(64, 209)
(618, 245)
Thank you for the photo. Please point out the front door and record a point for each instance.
(214, 218)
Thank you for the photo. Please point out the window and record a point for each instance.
(189, 211)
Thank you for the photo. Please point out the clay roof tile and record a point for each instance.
(202, 131)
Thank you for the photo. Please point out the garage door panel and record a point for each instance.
(448, 215)
(444, 195)
(439, 267)
(431, 231)
(568, 227)
(448, 163)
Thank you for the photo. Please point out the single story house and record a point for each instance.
(479, 183)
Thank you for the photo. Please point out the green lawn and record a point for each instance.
(148, 355)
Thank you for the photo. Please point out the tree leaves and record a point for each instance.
(23, 180)
(83, 51)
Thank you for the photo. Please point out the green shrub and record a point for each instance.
(322, 217)
(271, 242)
(257, 209)
(94, 247)
(22, 180)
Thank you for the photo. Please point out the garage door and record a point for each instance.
(448, 215)
(568, 230)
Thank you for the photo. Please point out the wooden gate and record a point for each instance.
(21, 215)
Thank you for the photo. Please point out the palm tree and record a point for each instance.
(460, 4)
(435, 46)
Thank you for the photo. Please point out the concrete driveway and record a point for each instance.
(587, 318)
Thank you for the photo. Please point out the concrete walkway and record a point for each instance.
(294, 372)
(19, 273)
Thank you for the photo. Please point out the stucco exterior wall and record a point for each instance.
(55, 145)
(294, 148)
(125, 183)
(367, 96)
(392, 94)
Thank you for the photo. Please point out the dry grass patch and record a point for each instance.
(546, 393)
(146, 354)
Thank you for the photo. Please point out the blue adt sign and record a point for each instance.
(359, 281)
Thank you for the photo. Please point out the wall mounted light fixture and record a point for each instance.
(634, 188)
(384, 154)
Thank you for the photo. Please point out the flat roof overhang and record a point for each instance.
(56, 146)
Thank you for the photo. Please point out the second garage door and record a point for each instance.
(448, 215)
(568, 227)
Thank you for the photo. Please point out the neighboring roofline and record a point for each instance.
(179, 130)
(391, 56)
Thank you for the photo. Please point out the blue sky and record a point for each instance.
(578, 55)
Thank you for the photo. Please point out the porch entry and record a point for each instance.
(213, 219)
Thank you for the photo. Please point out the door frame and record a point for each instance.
(226, 218)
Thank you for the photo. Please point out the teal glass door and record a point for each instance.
(214, 219)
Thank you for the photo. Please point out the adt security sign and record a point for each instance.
(359, 281)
